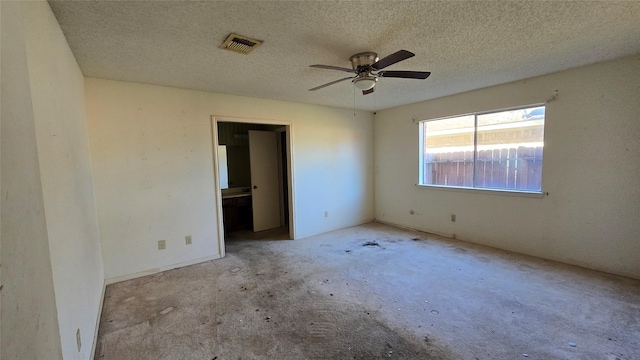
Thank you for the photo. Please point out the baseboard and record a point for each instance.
(160, 269)
(580, 264)
(414, 228)
(339, 227)
(95, 332)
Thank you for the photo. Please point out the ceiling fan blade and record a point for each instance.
(392, 59)
(332, 68)
(366, 92)
(331, 83)
(405, 74)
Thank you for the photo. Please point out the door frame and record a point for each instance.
(216, 169)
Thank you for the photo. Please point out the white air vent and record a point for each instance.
(240, 44)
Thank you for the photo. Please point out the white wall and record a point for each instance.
(591, 171)
(29, 324)
(1, 286)
(57, 91)
(152, 152)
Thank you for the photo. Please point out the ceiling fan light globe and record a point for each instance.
(365, 83)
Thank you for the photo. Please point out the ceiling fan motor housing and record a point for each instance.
(362, 61)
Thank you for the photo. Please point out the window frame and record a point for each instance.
(478, 190)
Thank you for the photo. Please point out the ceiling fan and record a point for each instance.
(367, 67)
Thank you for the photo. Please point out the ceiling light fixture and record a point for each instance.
(365, 82)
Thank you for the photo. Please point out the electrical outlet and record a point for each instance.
(326, 214)
(187, 239)
(162, 244)
(78, 340)
(453, 217)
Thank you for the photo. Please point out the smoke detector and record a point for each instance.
(240, 44)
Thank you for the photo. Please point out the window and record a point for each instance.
(500, 150)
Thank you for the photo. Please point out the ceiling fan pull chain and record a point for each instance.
(374, 102)
(354, 100)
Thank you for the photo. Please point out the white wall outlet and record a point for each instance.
(453, 217)
(78, 340)
(326, 214)
(162, 244)
(187, 239)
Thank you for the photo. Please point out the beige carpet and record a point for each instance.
(371, 292)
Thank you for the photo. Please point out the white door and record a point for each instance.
(263, 153)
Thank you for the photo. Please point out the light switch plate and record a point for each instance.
(162, 244)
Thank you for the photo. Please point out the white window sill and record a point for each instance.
(528, 194)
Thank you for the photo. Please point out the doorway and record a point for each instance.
(253, 177)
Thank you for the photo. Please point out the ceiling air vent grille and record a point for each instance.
(240, 44)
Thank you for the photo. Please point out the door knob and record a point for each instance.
(255, 187)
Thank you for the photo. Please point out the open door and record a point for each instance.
(265, 190)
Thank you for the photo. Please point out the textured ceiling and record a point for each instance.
(466, 45)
